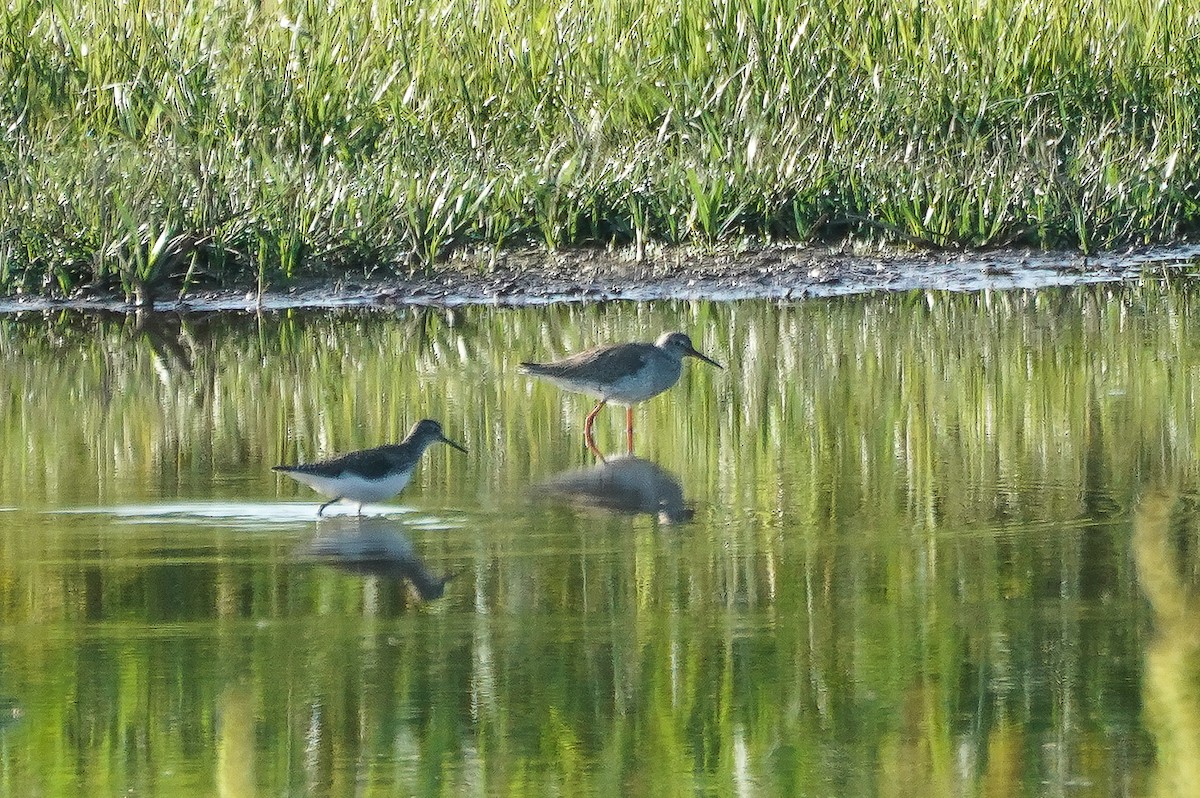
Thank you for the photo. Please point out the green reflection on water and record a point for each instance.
(910, 566)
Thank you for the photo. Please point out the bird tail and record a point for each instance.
(531, 368)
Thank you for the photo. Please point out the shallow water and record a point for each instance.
(917, 544)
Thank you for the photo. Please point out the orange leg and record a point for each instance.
(587, 429)
(629, 428)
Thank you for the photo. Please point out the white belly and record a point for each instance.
(356, 488)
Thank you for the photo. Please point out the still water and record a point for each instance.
(918, 544)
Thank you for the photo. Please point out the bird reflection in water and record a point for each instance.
(374, 546)
(625, 484)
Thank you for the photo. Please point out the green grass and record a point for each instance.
(233, 140)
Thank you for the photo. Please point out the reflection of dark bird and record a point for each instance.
(625, 485)
(375, 547)
(624, 374)
(370, 475)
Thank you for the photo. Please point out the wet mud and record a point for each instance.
(781, 273)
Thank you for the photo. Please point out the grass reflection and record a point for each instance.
(908, 570)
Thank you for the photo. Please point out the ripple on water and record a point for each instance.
(249, 515)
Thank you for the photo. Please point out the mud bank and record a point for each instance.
(531, 277)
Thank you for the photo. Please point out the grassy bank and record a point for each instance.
(235, 140)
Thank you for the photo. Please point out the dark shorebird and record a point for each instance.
(371, 475)
(624, 374)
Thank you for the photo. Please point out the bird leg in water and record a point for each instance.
(321, 509)
(591, 418)
(587, 430)
(629, 428)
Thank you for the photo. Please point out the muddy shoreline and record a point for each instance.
(780, 273)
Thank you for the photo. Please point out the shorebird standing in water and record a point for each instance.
(624, 374)
(370, 475)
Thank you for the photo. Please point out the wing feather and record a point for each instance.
(369, 464)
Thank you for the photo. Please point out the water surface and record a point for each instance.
(916, 544)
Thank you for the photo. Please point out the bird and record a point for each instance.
(370, 475)
(623, 374)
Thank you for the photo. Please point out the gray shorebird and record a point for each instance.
(370, 475)
(624, 374)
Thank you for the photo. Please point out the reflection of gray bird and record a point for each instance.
(374, 547)
(625, 485)
(370, 475)
(624, 374)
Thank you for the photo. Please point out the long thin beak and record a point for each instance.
(455, 445)
(705, 358)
